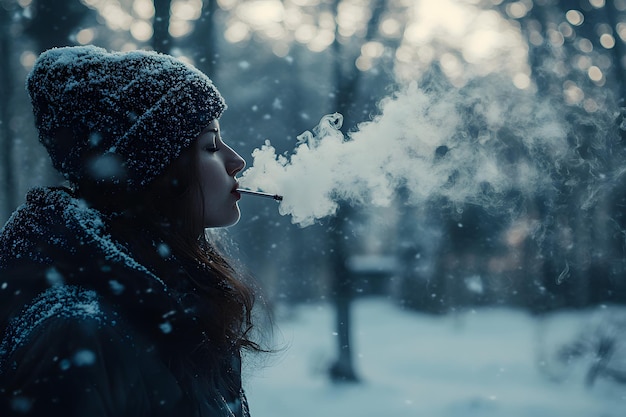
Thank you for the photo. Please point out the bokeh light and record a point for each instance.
(141, 30)
(85, 36)
(575, 17)
(607, 41)
(143, 9)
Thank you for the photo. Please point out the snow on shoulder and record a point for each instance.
(60, 302)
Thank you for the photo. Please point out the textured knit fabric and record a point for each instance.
(118, 117)
(88, 330)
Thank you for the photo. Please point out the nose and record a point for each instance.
(235, 163)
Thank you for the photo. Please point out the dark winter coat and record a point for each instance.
(88, 330)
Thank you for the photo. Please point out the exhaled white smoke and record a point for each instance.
(470, 145)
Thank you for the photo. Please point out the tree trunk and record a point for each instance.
(161, 40)
(206, 52)
(6, 136)
(347, 78)
(342, 370)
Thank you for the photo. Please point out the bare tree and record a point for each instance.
(6, 136)
(347, 77)
(161, 39)
(204, 34)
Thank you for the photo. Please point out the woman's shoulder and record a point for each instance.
(89, 301)
(55, 240)
(66, 303)
(68, 349)
(56, 321)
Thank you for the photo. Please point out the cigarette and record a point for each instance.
(260, 194)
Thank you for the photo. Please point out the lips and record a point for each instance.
(234, 191)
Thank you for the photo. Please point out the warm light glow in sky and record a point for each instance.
(114, 14)
(465, 39)
(462, 36)
(281, 22)
(135, 16)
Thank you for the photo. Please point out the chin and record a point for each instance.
(236, 219)
(224, 222)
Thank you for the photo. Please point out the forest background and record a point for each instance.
(282, 65)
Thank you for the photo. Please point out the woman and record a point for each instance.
(112, 301)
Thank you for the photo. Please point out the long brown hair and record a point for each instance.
(172, 208)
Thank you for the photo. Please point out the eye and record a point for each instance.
(211, 139)
(212, 146)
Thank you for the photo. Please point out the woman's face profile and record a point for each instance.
(217, 166)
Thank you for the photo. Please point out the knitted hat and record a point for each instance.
(118, 118)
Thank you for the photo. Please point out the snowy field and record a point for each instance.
(478, 363)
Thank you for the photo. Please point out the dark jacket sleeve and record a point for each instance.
(80, 366)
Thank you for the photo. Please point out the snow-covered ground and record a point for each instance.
(484, 362)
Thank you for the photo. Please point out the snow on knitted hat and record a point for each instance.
(115, 117)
